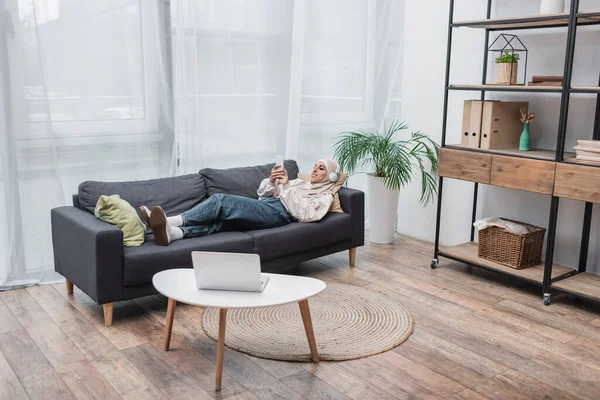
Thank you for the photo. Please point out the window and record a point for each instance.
(89, 67)
(338, 61)
(84, 101)
(231, 71)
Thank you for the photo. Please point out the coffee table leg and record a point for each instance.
(308, 327)
(221, 347)
(169, 327)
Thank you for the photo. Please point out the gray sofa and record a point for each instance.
(89, 253)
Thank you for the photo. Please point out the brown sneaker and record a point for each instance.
(145, 213)
(158, 223)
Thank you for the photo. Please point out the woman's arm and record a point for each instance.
(267, 189)
(318, 208)
(304, 209)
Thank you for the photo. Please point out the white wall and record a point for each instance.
(422, 107)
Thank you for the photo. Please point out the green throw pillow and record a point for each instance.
(116, 211)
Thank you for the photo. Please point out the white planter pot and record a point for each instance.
(383, 209)
(552, 7)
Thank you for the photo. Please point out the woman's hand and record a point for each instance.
(279, 175)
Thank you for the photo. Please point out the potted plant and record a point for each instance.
(507, 68)
(394, 163)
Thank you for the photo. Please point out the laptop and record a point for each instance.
(228, 271)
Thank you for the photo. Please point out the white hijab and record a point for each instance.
(313, 190)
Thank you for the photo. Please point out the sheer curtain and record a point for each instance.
(256, 78)
(231, 74)
(118, 90)
(84, 97)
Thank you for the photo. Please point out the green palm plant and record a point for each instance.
(396, 161)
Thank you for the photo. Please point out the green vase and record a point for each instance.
(525, 142)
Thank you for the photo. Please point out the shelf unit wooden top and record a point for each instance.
(512, 88)
(468, 253)
(531, 21)
(536, 154)
(584, 284)
(524, 88)
(585, 89)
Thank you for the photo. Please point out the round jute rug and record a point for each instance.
(349, 322)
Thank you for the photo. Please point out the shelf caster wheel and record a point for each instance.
(434, 263)
(547, 299)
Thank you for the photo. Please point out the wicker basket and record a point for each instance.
(511, 249)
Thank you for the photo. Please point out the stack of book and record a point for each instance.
(588, 150)
(546, 81)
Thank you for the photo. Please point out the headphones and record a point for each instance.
(333, 177)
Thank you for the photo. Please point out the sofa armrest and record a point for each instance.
(353, 203)
(89, 253)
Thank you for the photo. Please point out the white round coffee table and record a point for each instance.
(180, 285)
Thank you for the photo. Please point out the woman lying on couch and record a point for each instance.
(280, 202)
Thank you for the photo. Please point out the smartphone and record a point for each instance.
(279, 161)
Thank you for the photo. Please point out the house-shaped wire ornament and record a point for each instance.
(513, 45)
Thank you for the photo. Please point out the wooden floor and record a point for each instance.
(478, 335)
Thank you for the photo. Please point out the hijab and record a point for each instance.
(314, 190)
(331, 165)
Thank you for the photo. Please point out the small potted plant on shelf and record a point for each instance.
(394, 163)
(507, 68)
(525, 141)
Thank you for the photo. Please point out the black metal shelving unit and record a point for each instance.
(549, 276)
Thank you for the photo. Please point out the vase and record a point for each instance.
(525, 141)
(552, 7)
(383, 209)
(506, 73)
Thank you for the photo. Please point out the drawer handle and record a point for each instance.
(485, 135)
(474, 134)
(466, 133)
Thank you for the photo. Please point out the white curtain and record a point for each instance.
(84, 97)
(118, 90)
(231, 74)
(257, 78)
(352, 72)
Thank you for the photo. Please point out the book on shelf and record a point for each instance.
(545, 83)
(547, 79)
(587, 153)
(595, 151)
(588, 158)
(595, 144)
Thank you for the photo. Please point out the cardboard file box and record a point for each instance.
(472, 115)
(501, 125)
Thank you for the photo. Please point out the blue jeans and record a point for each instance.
(225, 211)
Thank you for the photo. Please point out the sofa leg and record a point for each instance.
(69, 287)
(352, 256)
(108, 313)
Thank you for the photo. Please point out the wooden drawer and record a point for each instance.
(577, 182)
(465, 165)
(524, 174)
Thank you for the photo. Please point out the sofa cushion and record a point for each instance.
(175, 195)
(242, 181)
(301, 236)
(141, 263)
(118, 212)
